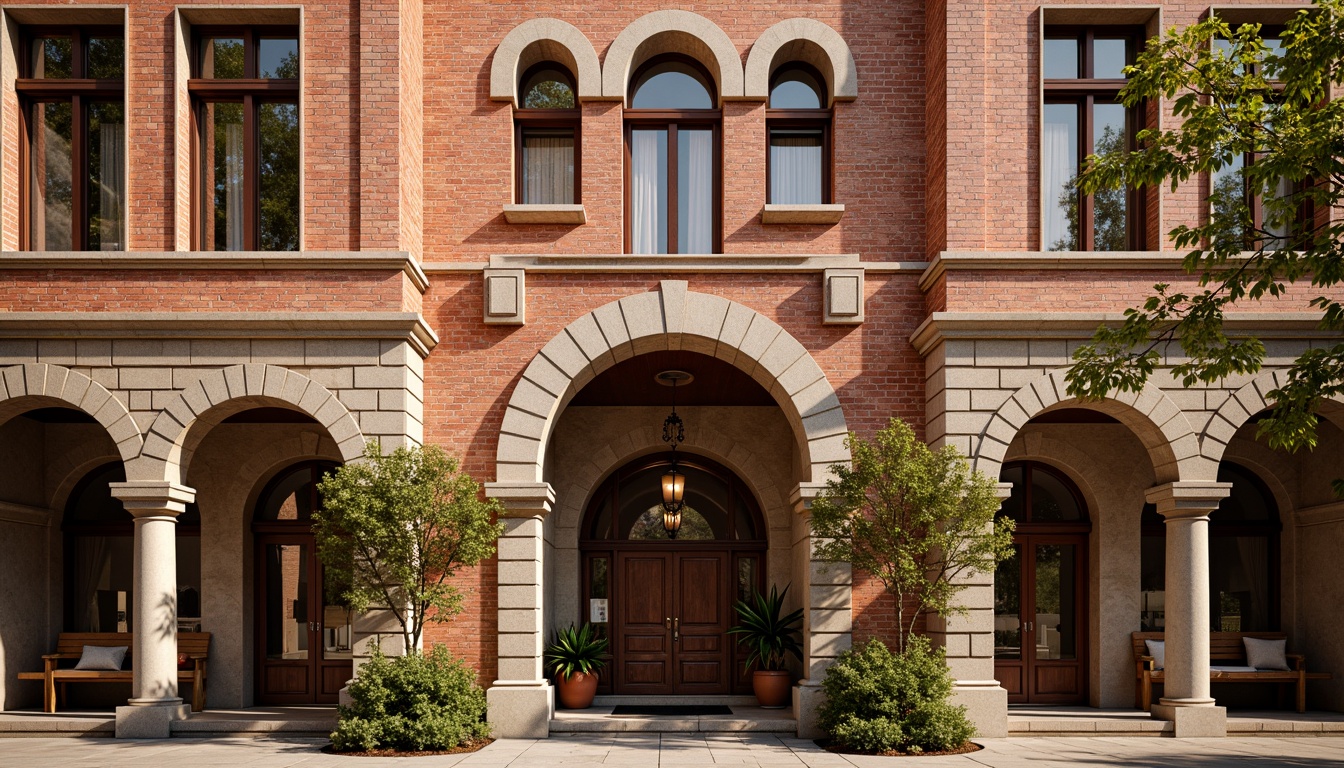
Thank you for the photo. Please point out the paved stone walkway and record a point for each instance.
(683, 750)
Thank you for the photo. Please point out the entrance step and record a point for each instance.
(653, 701)
(745, 718)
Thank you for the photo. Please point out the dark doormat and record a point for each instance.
(683, 710)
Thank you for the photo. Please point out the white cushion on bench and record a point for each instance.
(1158, 650)
(1224, 668)
(101, 657)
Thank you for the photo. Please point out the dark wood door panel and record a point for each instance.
(1057, 680)
(287, 680)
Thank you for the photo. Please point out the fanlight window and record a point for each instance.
(718, 506)
(672, 84)
(292, 496)
(548, 87)
(1040, 495)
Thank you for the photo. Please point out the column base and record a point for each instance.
(150, 718)
(1193, 721)
(520, 709)
(986, 704)
(807, 700)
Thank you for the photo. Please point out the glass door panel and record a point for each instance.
(1056, 621)
(287, 616)
(1008, 607)
(336, 623)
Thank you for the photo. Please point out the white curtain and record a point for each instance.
(1253, 577)
(1281, 229)
(1058, 168)
(91, 555)
(548, 170)
(795, 170)
(697, 201)
(647, 190)
(111, 186)
(233, 185)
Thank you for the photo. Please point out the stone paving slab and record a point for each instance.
(680, 749)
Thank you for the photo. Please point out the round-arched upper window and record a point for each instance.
(292, 496)
(672, 82)
(91, 503)
(718, 506)
(547, 86)
(796, 86)
(1041, 494)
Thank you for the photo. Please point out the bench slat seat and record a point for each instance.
(70, 646)
(1225, 649)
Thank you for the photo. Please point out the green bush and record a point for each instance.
(413, 703)
(879, 701)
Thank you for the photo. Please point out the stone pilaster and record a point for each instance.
(154, 701)
(521, 701)
(1186, 701)
(827, 595)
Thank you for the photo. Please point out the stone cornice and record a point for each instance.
(1331, 513)
(312, 261)
(23, 514)
(1080, 325)
(402, 326)
(955, 261)
(666, 263)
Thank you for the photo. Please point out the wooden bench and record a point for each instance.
(1225, 649)
(70, 646)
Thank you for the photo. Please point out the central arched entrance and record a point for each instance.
(667, 604)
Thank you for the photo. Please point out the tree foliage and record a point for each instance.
(1235, 96)
(394, 528)
(918, 520)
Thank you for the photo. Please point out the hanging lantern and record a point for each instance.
(674, 432)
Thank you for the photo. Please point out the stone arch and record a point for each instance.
(671, 318)
(673, 31)
(1152, 416)
(806, 40)
(1251, 399)
(181, 425)
(537, 40)
(55, 385)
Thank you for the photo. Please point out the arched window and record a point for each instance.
(100, 557)
(291, 497)
(672, 142)
(546, 137)
(718, 507)
(798, 122)
(1243, 558)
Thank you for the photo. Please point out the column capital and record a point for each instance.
(1187, 498)
(802, 495)
(523, 499)
(153, 498)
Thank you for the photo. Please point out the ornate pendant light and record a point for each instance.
(674, 432)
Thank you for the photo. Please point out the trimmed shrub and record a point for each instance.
(413, 703)
(878, 701)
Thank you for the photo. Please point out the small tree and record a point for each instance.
(916, 519)
(394, 528)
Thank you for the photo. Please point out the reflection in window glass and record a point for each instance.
(649, 526)
(1056, 626)
(1060, 59)
(796, 166)
(51, 177)
(286, 601)
(105, 57)
(107, 176)
(1051, 500)
(222, 58)
(695, 190)
(222, 176)
(1008, 606)
(278, 58)
(1110, 211)
(278, 180)
(548, 166)
(1060, 177)
(53, 58)
(648, 190)
(746, 578)
(548, 89)
(1109, 57)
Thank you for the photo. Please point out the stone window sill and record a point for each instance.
(545, 214)
(803, 214)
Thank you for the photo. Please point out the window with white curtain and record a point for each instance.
(799, 128)
(672, 144)
(72, 88)
(547, 129)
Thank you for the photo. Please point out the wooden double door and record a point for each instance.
(303, 641)
(1040, 620)
(671, 620)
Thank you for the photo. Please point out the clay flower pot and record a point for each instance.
(577, 690)
(773, 688)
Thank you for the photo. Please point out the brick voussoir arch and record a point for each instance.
(671, 318)
(22, 385)
(1152, 416)
(181, 425)
(1245, 403)
(807, 40)
(673, 31)
(538, 40)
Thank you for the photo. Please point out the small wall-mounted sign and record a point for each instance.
(597, 611)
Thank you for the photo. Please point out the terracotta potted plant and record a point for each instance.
(575, 658)
(769, 636)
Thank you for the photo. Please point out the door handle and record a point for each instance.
(676, 629)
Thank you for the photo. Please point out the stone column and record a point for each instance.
(520, 702)
(968, 640)
(827, 595)
(1186, 507)
(154, 701)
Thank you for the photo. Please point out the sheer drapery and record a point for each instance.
(1059, 166)
(233, 185)
(111, 186)
(548, 170)
(795, 168)
(91, 560)
(648, 191)
(1253, 578)
(695, 194)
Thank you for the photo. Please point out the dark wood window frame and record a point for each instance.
(79, 91)
(525, 120)
(672, 120)
(1086, 91)
(809, 119)
(250, 91)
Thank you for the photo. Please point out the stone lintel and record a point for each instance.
(1187, 498)
(145, 498)
(522, 499)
